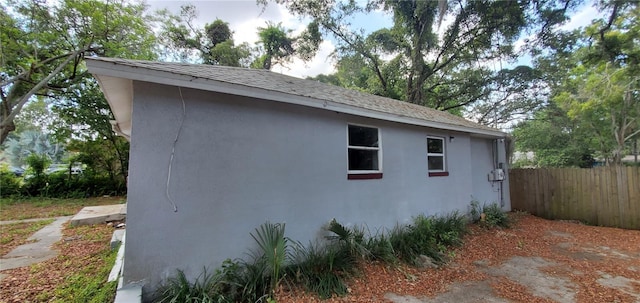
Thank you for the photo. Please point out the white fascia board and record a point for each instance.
(172, 79)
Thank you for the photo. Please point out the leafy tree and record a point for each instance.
(513, 95)
(85, 116)
(556, 140)
(593, 83)
(449, 69)
(43, 45)
(608, 103)
(278, 46)
(213, 44)
(35, 116)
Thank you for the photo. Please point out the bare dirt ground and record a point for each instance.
(536, 260)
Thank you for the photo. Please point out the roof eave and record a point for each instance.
(102, 69)
(119, 94)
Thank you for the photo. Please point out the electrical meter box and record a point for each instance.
(496, 175)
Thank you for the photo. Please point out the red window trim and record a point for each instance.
(364, 176)
(439, 174)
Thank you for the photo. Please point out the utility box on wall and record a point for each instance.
(496, 175)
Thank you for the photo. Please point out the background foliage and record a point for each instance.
(575, 103)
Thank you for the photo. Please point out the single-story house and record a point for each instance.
(217, 151)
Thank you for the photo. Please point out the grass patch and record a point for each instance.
(29, 208)
(16, 234)
(90, 283)
(86, 279)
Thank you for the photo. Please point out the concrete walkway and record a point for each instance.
(38, 251)
(7, 222)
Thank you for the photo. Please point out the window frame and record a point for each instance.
(438, 172)
(365, 174)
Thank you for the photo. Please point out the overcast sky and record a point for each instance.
(244, 17)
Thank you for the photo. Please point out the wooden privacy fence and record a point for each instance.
(605, 196)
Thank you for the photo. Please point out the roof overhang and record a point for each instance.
(119, 94)
(116, 81)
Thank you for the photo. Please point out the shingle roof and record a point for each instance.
(271, 81)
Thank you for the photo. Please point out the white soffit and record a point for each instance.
(119, 95)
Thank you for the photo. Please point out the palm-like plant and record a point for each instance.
(273, 250)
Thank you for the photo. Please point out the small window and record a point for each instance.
(364, 152)
(436, 156)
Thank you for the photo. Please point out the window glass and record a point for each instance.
(436, 163)
(364, 149)
(435, 154)
(363, 159)
(363, 136)
(435, 145)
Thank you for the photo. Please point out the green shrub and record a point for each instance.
(254, 280)
(380, 248)
(494, 216)
(411, 241)
(449, 229)
(65, 185)
(322, 268)
(178, 289)
(475, 211)
(352, 239)
(489, 215)
(37, 164)
(429, 236)
(251, 282)
(9, 183)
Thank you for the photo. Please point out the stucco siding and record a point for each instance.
(482, 159)
(239, 162)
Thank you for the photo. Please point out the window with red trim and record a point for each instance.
(364, 153)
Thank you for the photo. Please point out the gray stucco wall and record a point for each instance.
(240, 162)
(482, 159)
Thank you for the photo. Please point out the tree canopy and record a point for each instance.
(213, 44)
(594, 82)
(43, 45)
(578, 98)
(440, 54)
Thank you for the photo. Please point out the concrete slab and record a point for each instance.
(131, 293)
(117, 266)
(116, 238)
(91, 215)
(38, 251)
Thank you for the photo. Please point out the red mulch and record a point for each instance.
(37, 283)
(530, 236)
(582, 259)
